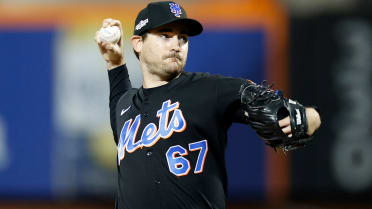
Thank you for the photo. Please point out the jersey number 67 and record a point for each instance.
(180, 166)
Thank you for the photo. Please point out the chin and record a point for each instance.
(171, 73)
(174, 72)
(174, 68)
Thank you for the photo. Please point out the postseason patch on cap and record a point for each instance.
(175, 9)
(142, 23)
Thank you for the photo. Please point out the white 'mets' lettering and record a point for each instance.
(151, 133)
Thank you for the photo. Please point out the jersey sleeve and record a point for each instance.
(228, 99)
(119, 84)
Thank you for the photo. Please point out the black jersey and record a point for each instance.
(171, 140)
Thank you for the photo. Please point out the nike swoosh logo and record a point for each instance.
(124, 110)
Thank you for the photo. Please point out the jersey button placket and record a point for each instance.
(157, 181)
(149, 153)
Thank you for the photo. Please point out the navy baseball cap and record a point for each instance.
(160, 13)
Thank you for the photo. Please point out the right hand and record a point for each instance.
(112, 53)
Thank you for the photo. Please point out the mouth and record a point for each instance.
(174, 58)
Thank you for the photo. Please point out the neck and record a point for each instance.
(151, 80)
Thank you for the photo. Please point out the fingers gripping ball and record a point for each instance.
(264, 108)
(110, 34)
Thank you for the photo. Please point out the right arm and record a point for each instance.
(117, 70)
(119, 84)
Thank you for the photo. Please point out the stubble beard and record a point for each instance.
(170, 68)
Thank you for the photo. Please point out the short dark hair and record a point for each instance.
(143, 36)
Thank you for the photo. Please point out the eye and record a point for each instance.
(184, 38)
(164, 35)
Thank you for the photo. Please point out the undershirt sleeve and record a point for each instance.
(119, 84)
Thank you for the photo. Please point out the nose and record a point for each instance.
(175, 43)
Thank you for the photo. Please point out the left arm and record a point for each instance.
(265, 118)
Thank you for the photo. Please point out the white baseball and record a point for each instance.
(110, 34)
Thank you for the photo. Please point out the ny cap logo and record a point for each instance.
(175, 9)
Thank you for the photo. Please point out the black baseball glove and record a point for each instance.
(264, 108)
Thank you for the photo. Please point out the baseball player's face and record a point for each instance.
(165, 50)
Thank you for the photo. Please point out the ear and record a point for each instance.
(137, 43)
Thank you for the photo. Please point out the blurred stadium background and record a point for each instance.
(56, 146)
